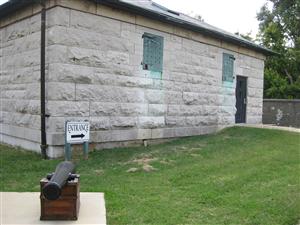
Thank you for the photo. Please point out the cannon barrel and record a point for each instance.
(52, 190)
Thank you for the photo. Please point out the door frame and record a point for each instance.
(245, 99)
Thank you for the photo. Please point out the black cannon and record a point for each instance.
(63, 172)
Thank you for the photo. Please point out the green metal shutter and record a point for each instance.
(228, 61)
(153, 52)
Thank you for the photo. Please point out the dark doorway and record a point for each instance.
(241, 99)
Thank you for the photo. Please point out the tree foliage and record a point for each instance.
(280, 31)
(246, 36)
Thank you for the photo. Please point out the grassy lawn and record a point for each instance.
(238, 176)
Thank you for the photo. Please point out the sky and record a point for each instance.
(230, 15)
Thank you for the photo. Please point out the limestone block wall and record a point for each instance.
(20, 76)
(253, 69)
(94, 72)
(282, 112)
(19, 83)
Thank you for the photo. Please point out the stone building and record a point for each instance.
(135, 69)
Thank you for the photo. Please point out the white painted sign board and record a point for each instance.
(77, 132)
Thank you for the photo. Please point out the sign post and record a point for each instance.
(76, 132)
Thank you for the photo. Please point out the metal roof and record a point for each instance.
(150, 9)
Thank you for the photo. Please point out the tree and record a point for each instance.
(246, 36)
(279, 30)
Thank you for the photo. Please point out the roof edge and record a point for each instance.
(14, 5)
(185, 24)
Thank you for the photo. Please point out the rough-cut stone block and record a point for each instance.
(115, 13)
(23, 120)
(84, 6)
(103, 25)
(109, 94)
(254, 102)
(162, 133)
(70, 36)
(117, 109)
(123, 122)
(55, 124)
(35, 23)
(154, 24)
(253, 73)
(56, 138)
(226, 120)
(23, 76)
(33, 91)
(255, 83)
(70, 73)
(100, 123)
(7, 49)
(163, 97)
(181, 32)
(30, 107)
(26, 43)
(20, 91)
(58, 16)
(96, 58)
(201, 120)
(67, 108)
(151, 122)
(157, 109)
(22, 132)
(227, 110)
(13, 94)
(255, 92)
(168, 85)
(172, 46)
(175, 121)
(187, 131)
(24, 59)
(254, 119)
(116, 69)
(18, 30)
(155, 96)
(173, 97)
(100, 109)
(60, 91)
(128, 31)
(20, 142)
(191, 98)
(227, 100)
(204, 39)
(254, 111)
(100, 136)
(57, 54)
(124, 135)
(132, 109)
(194, 47)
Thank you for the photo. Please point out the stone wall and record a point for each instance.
(94, 72)
(19, 83)
(20, 77)
(282, 112)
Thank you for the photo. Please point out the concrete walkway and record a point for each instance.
(274, 127)
(24, 208)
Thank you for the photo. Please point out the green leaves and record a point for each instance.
(280, 31)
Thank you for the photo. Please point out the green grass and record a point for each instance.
(238, 176)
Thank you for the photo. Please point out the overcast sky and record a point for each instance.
(230, 15)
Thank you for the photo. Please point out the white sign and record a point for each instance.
(77, 132)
